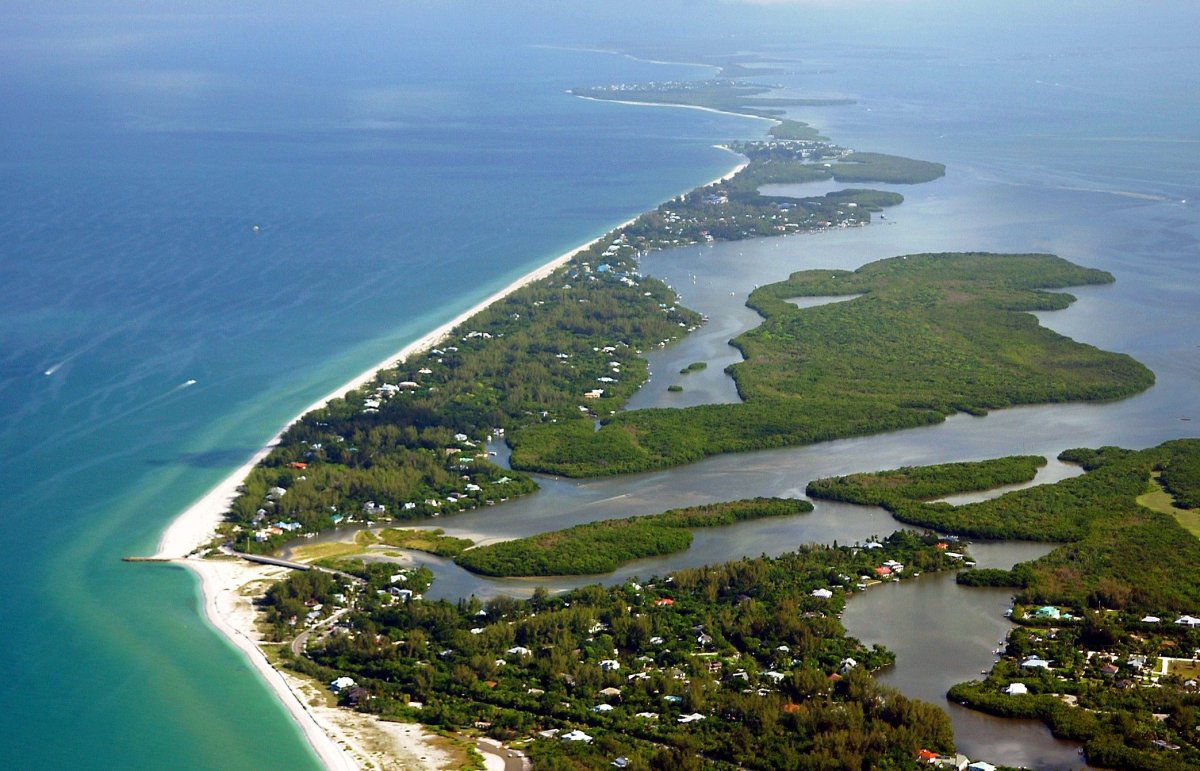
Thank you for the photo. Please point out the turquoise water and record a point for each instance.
(399, 170)
(131, 182)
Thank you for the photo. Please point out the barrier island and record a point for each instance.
(743, 664)
(411, 444)
(1107, 647)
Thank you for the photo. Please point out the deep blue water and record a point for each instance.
(398, 170)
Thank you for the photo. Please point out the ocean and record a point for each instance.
(208, 221)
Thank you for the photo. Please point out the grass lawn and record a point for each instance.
(319, 551)
(1158, 499)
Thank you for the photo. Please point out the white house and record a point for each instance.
(1016, 689)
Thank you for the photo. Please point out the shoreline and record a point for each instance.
(198, 522)
(342, 740)
(700, 107)
(220, 582)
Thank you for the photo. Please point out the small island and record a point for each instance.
(930, 335)
(602, 547)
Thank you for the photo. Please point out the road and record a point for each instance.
(513, 760)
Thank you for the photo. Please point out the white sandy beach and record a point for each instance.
(701, 108)
(342, 739)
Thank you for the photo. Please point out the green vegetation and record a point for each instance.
(410, 444)
(760, 662)
(1107, 596)
(931, 335)
(601, 547)
(1181, 478)
(922, 483)
(1116, 553)
(795, 129)
(1158, 499)
(1105, 687)
(695, 366)
(289, 603)
(789, 162)
(432, 541)
(675, 388)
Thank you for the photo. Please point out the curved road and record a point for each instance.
(513, 760)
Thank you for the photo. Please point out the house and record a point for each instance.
(610, 665)
(823, 594)
(926, 756)
(341, 684)
(848, 664)
(1016, 689)
(1033, 662)
(647, 715)
(664, 602)
(1047, 612)
(692, 718)
(1188, 621)
(980, 765)
(1109, 670)
(577, 736)
(602, 708)
(621, 762)
(883, 571)
(519, 650)
(610, 692)
(1150, 619)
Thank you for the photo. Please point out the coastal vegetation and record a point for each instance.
(431, 541)
(740, 664)
(1115, 553)
(563, 351)
(1108, 646)
(931, 335)
(695, 366)
(601, 547)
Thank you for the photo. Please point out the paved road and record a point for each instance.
(514, 760)
(302, 638)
